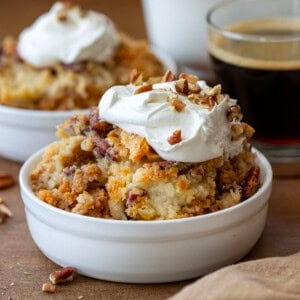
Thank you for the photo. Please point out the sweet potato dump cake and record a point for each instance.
(163, 149)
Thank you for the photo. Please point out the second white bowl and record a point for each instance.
(24, 131)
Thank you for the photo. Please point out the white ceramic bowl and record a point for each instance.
(146, 251)
(24, 131)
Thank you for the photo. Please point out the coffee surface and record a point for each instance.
(264, 75)
(267, 45)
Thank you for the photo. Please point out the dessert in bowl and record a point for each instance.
(64, 61)
(158, 184)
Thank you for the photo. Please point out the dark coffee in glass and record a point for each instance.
(256, 58)
(268, 92)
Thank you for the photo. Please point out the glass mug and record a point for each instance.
(255, 49)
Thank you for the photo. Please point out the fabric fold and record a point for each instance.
(274, 278)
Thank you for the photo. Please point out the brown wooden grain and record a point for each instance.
(23, 268)
(16, 14)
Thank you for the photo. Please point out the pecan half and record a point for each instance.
(62, 275)
(175, 138)
(6, 180)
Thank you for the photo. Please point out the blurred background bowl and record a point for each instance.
(24, 131)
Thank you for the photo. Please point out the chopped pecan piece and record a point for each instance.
(143, 88)
(194, 98)
(208, 102)
(188, 77)
(102, 144)
(168, 76)
(4, 211)
(240, 130)
(178, 105)
(47, 287)
(194, 88)
(176, 102)
(94, 117)
(68, 4)
(251, 183)
(196, 172)
(2, 217)
(62, 275)
(96, 123)
(216, 90)
(248, 130)
(103, 148)
(136, 78)
(6, 180)
(9, 46)
(61, 16)
(133, 195)
(182, 86)
(187, 84)
(175, 138)
(162, 164)
(234, 113)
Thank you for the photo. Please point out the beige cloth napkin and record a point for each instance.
(275, 278)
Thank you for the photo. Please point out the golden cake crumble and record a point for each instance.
(97, 169)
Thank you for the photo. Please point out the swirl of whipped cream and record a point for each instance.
(205, 133)
(68, 35)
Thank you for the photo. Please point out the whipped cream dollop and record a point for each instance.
(205, 134)
(68, 35)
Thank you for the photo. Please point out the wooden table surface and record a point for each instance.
(23, 268)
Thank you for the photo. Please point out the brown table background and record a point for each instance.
(17, 14)
(23, 268)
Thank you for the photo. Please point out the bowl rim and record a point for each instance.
(24, 112)
(35, 157)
